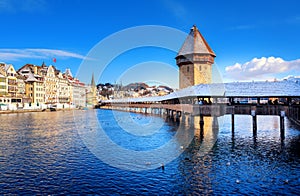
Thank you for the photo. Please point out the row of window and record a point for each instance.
(4, 100)
(12, 88)
(39, 89)
(39, 95)
(11, 74)
(199, 67)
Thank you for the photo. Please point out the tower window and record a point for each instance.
(199, 67)
(188, 69)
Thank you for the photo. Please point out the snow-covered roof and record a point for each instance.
(263, 89)
(195, 43)
(243, 89)
(236, 89)
(31, 78)
(7, 66)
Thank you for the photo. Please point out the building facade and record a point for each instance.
(92, 93)
(195, 60)
(51, 86)
(64, 94)
(12, 86)
(47, 86)
(3, 85)
(79, 93)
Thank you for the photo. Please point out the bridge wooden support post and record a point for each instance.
(191, 121)
(183, 118)
(254, 122)
(145, 110)
(232, 124)
(172, 115)
(178, 114)
(201, 125)
(282, 114)
(215, 127)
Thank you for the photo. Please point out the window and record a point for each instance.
(188, 69)
(199, 67)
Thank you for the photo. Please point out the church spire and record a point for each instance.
(93, 81)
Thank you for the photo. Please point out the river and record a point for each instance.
(108, 152)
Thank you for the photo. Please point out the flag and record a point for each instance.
(54, 60)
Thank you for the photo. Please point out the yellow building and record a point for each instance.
(34, 84)
(195, 59)
(34, 90)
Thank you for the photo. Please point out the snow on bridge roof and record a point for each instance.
(236, 89)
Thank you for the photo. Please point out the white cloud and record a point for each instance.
(19, 54)
(261, 69)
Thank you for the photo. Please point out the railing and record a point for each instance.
(212, 110)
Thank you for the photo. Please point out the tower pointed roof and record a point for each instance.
(195, 43)
(93, 81)
(43, 64)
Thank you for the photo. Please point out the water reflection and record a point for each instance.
(43, 153)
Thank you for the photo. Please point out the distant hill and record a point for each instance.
(137, 86)
(135, 89)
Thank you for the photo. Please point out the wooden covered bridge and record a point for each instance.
(241, 98)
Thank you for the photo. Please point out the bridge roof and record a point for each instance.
(263, 89)
(236, 89)
(243, 89)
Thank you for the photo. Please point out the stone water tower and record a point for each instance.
(195, 60)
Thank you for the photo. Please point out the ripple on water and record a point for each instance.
(42, 153)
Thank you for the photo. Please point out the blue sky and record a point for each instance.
(253, 40)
